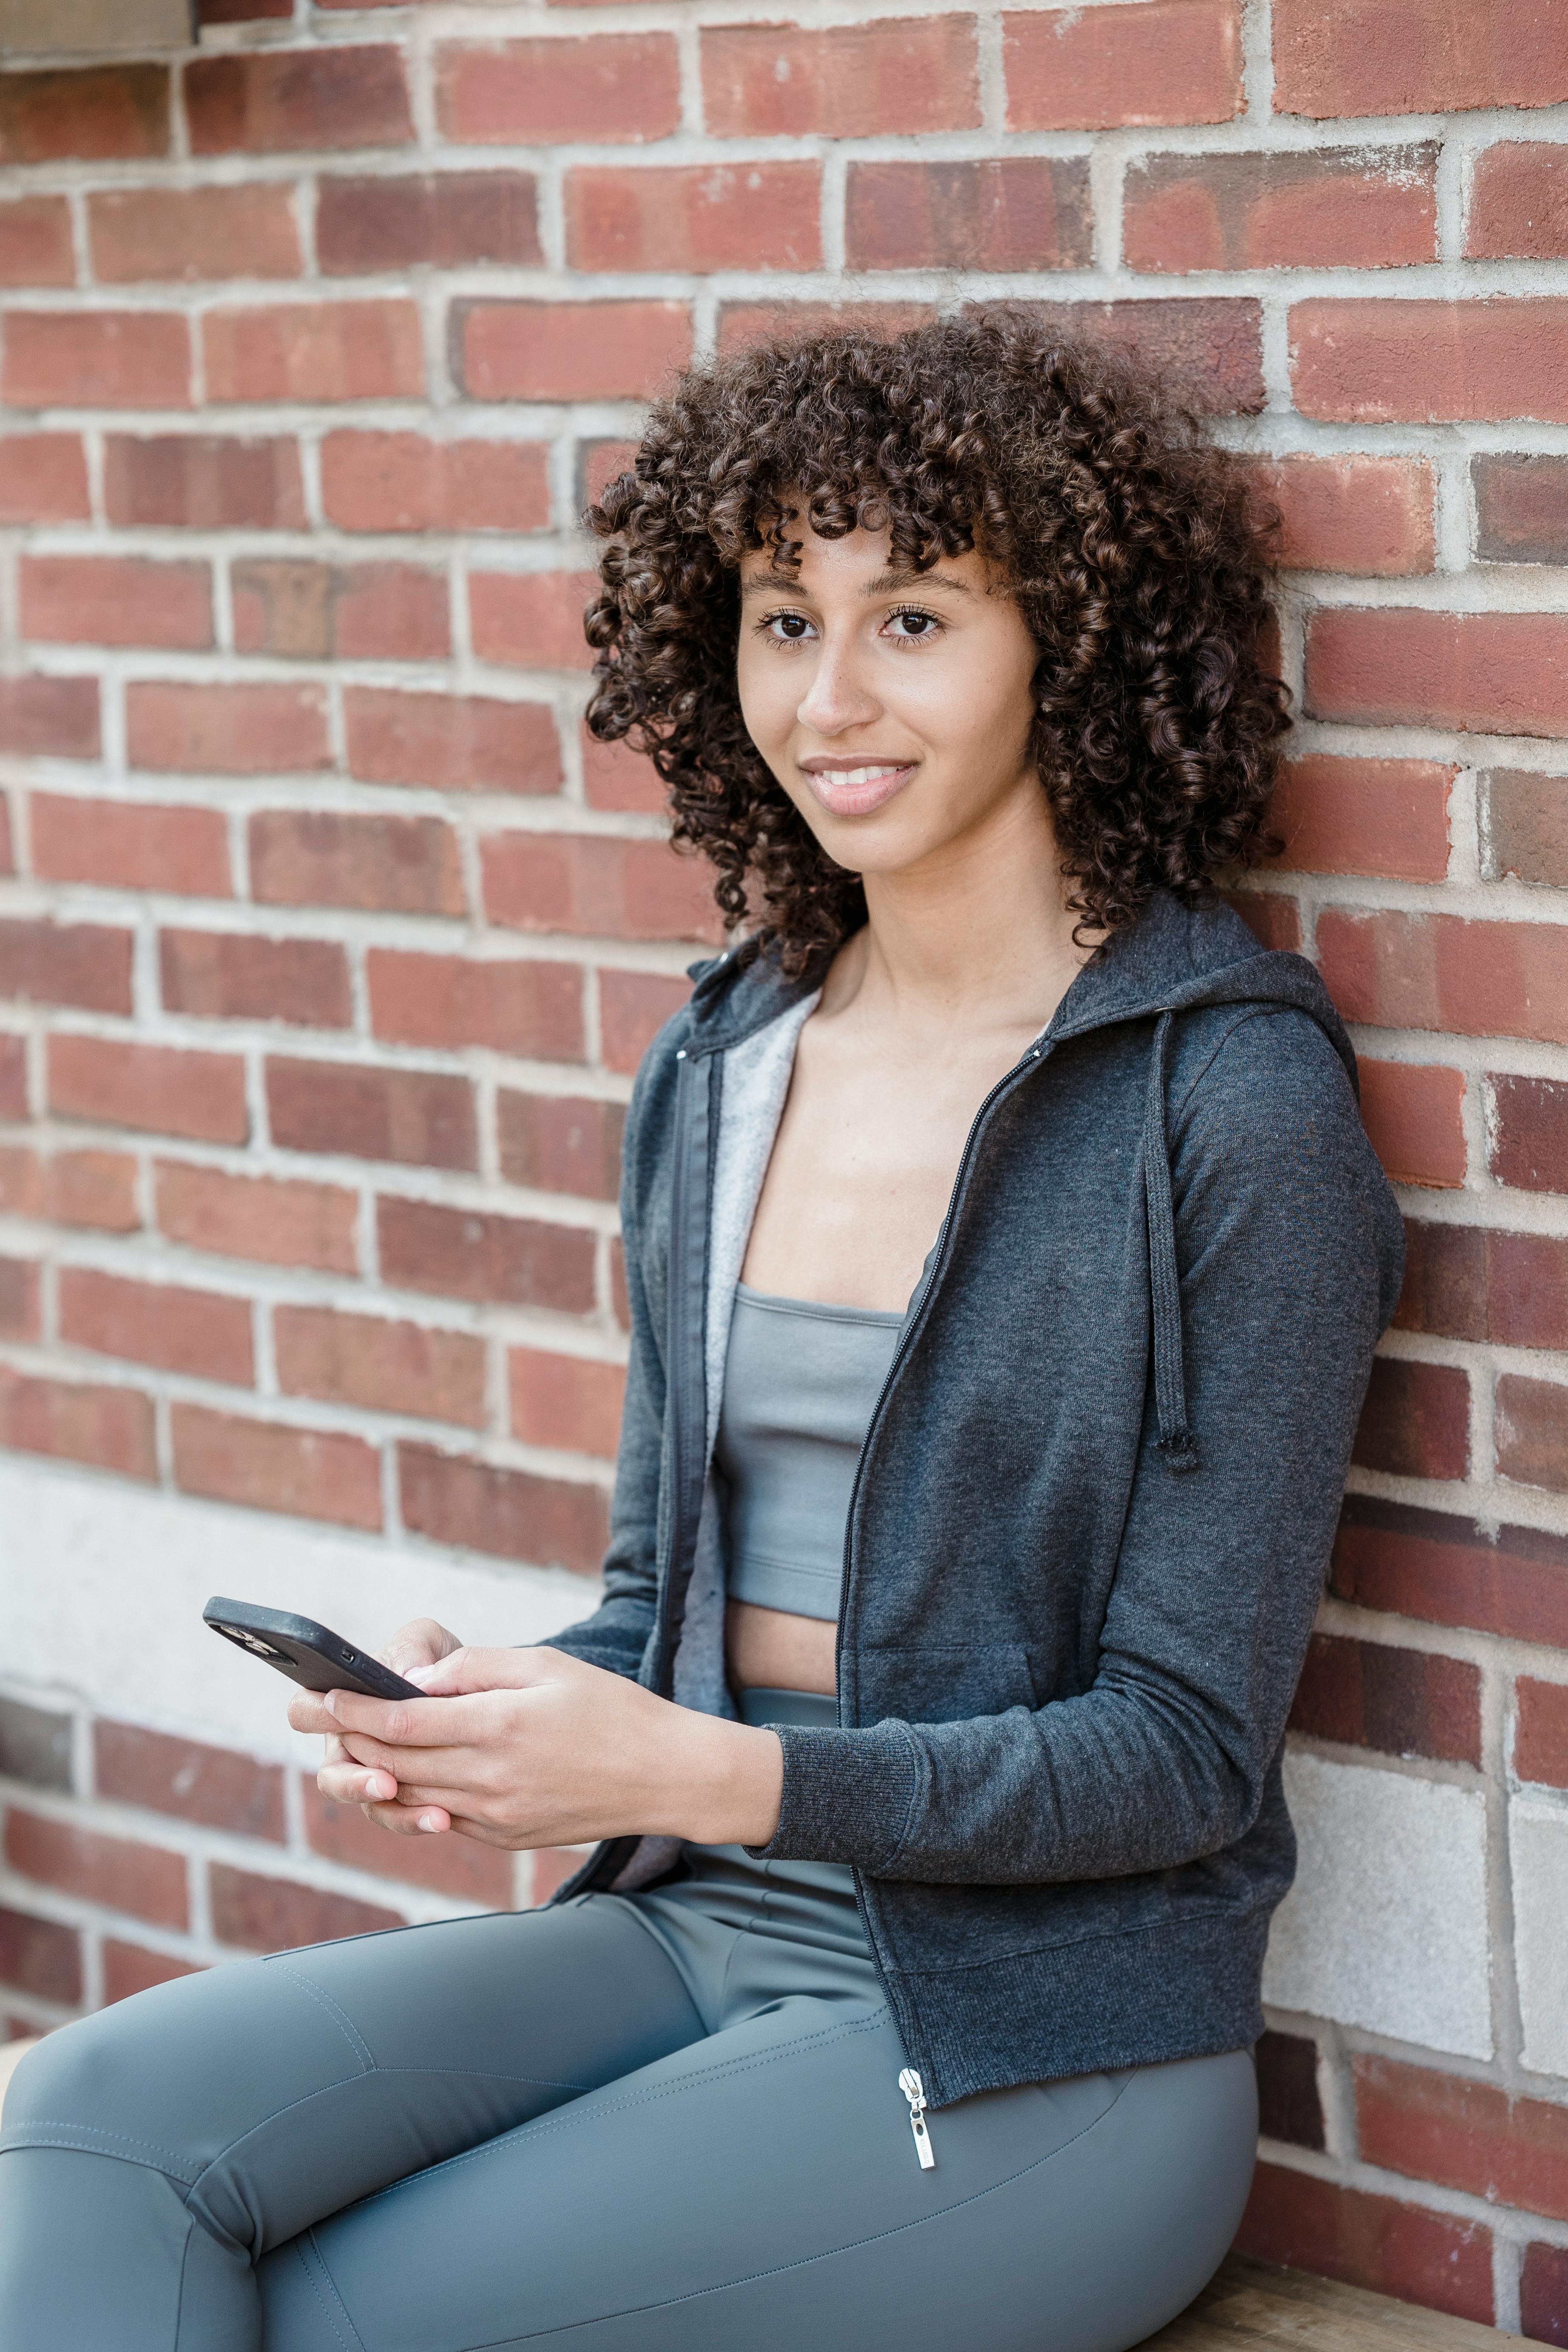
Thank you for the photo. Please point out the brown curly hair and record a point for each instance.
(1126, 539)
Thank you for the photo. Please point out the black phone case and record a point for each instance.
(309, 1654)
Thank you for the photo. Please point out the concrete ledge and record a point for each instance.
(1250, 2305)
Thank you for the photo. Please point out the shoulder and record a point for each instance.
(1257, 1065)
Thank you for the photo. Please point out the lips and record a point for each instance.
(860, 791)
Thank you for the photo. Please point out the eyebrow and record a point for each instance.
(883, 583)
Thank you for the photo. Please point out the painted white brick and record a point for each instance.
(1538, 1853)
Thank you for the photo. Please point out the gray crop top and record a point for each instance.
(801, 1381)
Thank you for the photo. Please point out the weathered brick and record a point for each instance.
(1540, 1731)
(1331, 208)
(567, 350)
(363, 1359)
(331, 857)
(451, 742)
(741, 324)
(18, 1298)
(572, 1401)
(904, 74)
(262, 101)
(1532, 1426)
(458, 1866)
(1522, 508)
(599, 463)
(590, 883)
(443, 219)
(1523, 826)
(404, 481)
(96, 359)
(275, 1914)
(1208, 352)
(36, 1745)
(1543, 2293)
(423, 1118)
(141, 234)
(1476, 1282)
(317, 1474)
(553, 1866)
(1414, 1113)
(226, 729)
(1288, 2107)
(200, 1332)
(13, 1075)
(94, 114)
(1004, 212)
(532, 620)
(617, 777)
(1442, 972)
(36, 247)
(204, 481)
(119, 1874)
(1528, 1132)
(49, 718)
(1518, 203)
(1364, 816)
(40, 1957)
(214, 1786)
(117, 1083)
(116, 600)
(535, 92)
(1090, 69)
(314, 351)
(1466, 2135)
(1416, 1419)
(494, 1260)
(1430, 362)
(277, 1221)
(532, 1007)
(1399, 1702)
(130, 845)
(75, 1421)
(95, 1189)
(556, 1143)
(130, 1968)
(43, 477)
(1394, 2249)
(234, 976)
(1448, 1571)
(695, 216)
(297, 610)
(1417, 57)
(85, 965)
(480, 1507)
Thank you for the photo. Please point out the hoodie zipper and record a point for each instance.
(914, 2090)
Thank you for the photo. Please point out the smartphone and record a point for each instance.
(309, 1654)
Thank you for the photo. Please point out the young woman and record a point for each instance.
(1005, 1259)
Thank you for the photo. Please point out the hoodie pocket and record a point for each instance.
(937, 1684)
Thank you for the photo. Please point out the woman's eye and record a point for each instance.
(914, 627)
(788, 628)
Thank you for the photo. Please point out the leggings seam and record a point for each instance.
(310, 2269)
(345, 2023)
(31, 2135)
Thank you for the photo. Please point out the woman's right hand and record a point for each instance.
(420, 1642)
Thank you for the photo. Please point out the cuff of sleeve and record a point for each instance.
(848, 1795)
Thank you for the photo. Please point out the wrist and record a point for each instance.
(733, 1785)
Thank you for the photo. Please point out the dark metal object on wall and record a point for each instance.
(93, 28)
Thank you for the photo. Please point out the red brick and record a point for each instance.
(401, 481)
(1336, 208)
(1364, 816)
(318, 1474)
(214, 1786)
(178, 1330)
(363, 1359)
(1467, 2136)
(95, 1189)
(555, 1143)
(49, 718)
(116, 600)
(297, 610)
(1448, 1571)
(85, 965)
(446, 219)
(96, 359)
(1472, 1282)
(203, 481)
(107, 1428)
(13, 1077)
(160, 1088)
(314, 351)
(275, 1914)
(130, 1969)
(1417, 57)
(1543, 2294)
(1376, 362)
(1399, 1702)
(1521, 509)
(696, 216)
(496, 1261)
(231, 976)
(599, 463)
(904, 74)
(1414, 1112)
(421, 1119)
(572, 1401)
(138, 233)
(1441, 972)
(455, 1865)
(7, 846)
(276, 1222)
(478, 1506)
(1208, 352)
(116, 1872)
(589, 883)
(568, 350)
(43, 479)
(36, 247)
(327, 857)
(535, 92)
(226, 731)
(130, 845)
(1533, 1432)
(615, 777)
(531, 1008)
(1288, 2107)
(1368, 516)
(40, 1956)
(633, 1007)
(619, 1299)
(18, 1298)
(451, 742)
(1518, 203)
(1013, 212)
(240, 12)
(1416, 1419)
(741, 324)
(264, 100)
(1088, 68)
(1394, 2249)
(99, 114)
(532, 620)
(553, 1866)
(1528, 1133)
(1540, 1731)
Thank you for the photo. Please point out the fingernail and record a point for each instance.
(420, 1675)
(428, 1822)
(329, 1701)
(381, 1787)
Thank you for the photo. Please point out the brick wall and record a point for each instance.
(329, 946)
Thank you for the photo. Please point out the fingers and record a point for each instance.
(418, 1644)
(467, 1670)
(393, 1722)
(348, 1783)
(306, 1712)
(411, 1822)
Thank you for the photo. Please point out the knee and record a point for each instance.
(111, 2071)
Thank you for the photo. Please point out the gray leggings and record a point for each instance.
(668, 2122)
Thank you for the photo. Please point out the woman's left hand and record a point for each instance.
(530, 1748)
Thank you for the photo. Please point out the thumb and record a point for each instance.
(470, 1669)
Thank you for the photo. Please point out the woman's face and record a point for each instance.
(893, 708)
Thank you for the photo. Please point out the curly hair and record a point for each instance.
(1126, 539)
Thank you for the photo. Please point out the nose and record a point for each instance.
(838, 693)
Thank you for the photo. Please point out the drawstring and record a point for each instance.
(1176, 1439)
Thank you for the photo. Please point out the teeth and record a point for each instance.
(865, 775)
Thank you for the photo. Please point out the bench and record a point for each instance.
(1250, 2307)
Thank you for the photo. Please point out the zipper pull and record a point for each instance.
(914, 2091)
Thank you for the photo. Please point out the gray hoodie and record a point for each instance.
(1094, 1507)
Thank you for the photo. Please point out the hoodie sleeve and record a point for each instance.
(1289, 1253)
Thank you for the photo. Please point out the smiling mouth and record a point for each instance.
(858, 790)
